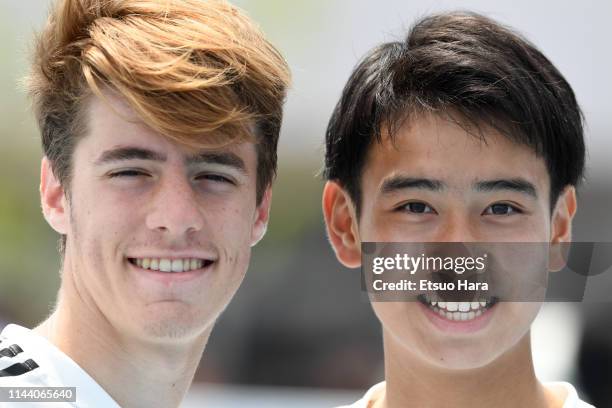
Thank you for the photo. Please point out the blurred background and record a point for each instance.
(300, 333)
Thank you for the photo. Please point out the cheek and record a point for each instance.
(91, 256)
(94, 234)
(375, 227)
(96, 201)
(100, 220)
(381, 228)
(230, 223)
(508, 329)
(535, 228)
(518, 317)
(400, 319)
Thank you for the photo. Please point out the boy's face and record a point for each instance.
(159, 236)
(437, 183)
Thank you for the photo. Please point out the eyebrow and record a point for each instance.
(517, 185)
(396, 183)
(129, 153)
(136, 153)
(223, 158)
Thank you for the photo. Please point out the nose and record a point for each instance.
(457, 228)
(175, 209)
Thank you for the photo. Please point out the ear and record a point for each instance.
(561, 228)
(262, 215)
(53, 200)
(341, 224)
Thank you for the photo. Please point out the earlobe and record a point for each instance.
(262, 215)
(52, 199)
(341, 225)
(561, 228)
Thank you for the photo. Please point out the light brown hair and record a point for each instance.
(198, 72)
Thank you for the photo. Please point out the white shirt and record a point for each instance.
(571, 399)
(29, 360)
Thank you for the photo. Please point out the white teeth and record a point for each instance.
(458, 311)
(177, 265)
(165, 265)
(459, 306)
(464, 307)
(169, 265)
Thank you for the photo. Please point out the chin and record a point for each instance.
(174, 323)
(461, 359)
(170, 331)
(468, 353)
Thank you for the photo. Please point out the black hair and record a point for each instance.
(458, 63)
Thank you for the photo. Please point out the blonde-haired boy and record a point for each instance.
(159, 123)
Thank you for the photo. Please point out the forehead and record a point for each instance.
(111, 122)
(436, 147)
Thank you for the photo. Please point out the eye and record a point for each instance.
(502, 209)
(214, 177)
(417, 207)
(127, 173)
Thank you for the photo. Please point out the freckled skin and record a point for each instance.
(140, 334)
(114, 217)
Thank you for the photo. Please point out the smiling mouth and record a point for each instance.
(171, 265)
(459, 311)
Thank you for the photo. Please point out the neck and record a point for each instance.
(135, 372)
(509, 381)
